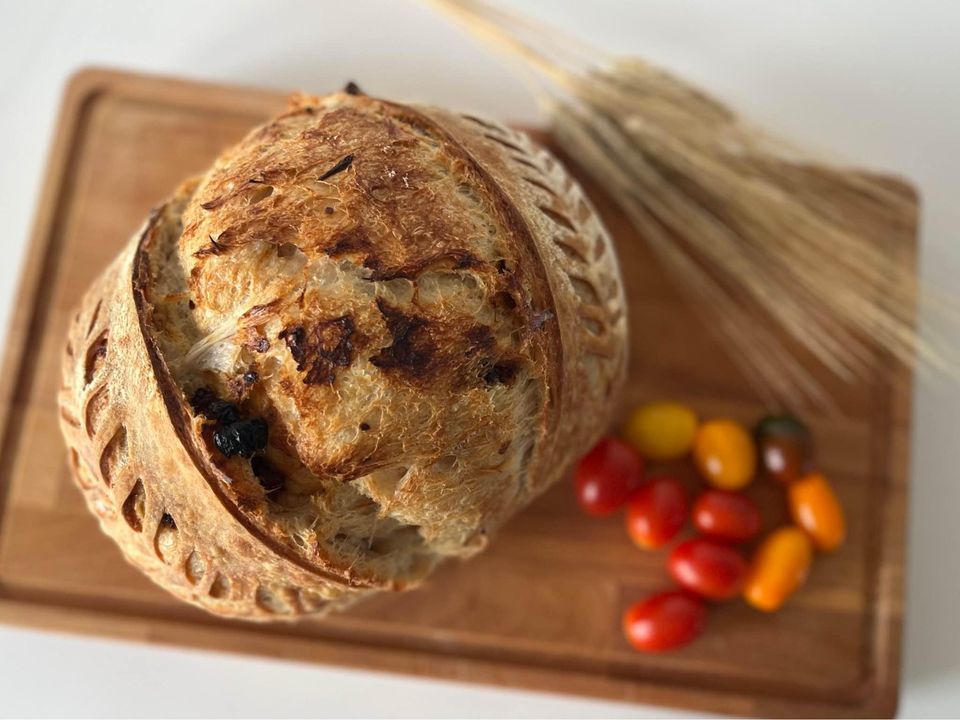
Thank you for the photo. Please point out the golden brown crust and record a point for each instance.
(419, 306)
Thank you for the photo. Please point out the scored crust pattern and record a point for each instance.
(180, 514)
(588, 264)
(148, 513)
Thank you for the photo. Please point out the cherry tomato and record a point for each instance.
(665, 621)
(661, 430)
(815, 508)
(725, 454)
(780, 566)
(785, 447)
(708, 568)
(726, 515)
(656, 512)
(607, 475)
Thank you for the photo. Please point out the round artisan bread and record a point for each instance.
(362, 340)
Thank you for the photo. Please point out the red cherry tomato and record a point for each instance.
(656, 512)
(726, 515)
(607, 476)
(708, 568)
(665, 621)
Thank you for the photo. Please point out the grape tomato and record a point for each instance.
(656, 512)
(726, 515)
(607, 476)
(665, 621)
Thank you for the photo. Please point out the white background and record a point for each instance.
(874, 82)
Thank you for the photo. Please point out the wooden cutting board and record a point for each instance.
(541, 609)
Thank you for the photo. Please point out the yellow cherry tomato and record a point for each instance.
(780, 566)
(661, 430)
(725, 454)
(815, 508)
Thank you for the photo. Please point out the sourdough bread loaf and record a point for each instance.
(354, 347)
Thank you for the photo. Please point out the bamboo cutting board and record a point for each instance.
(541, 608)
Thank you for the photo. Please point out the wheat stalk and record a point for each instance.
(739, 217)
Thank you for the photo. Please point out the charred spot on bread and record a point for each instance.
(454, 259)
(346, 162)
(412, 351)
(329, 345)
(222, 412)
(202, 397)
(296, 340)
(243, 437)
(215, 247)
(205, 402)
(351, 88)
(232, 433)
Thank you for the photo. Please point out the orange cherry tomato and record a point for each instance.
(815, 508)
(780, 566)
(656, 512)
(708, 568)
(665, 621)
(726, 516)
(607, 476)
(725, 454)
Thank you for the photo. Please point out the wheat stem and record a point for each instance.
(767, 243)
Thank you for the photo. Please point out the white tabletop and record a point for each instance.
(871, 81)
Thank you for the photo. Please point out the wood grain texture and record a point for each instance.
(541, 608)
